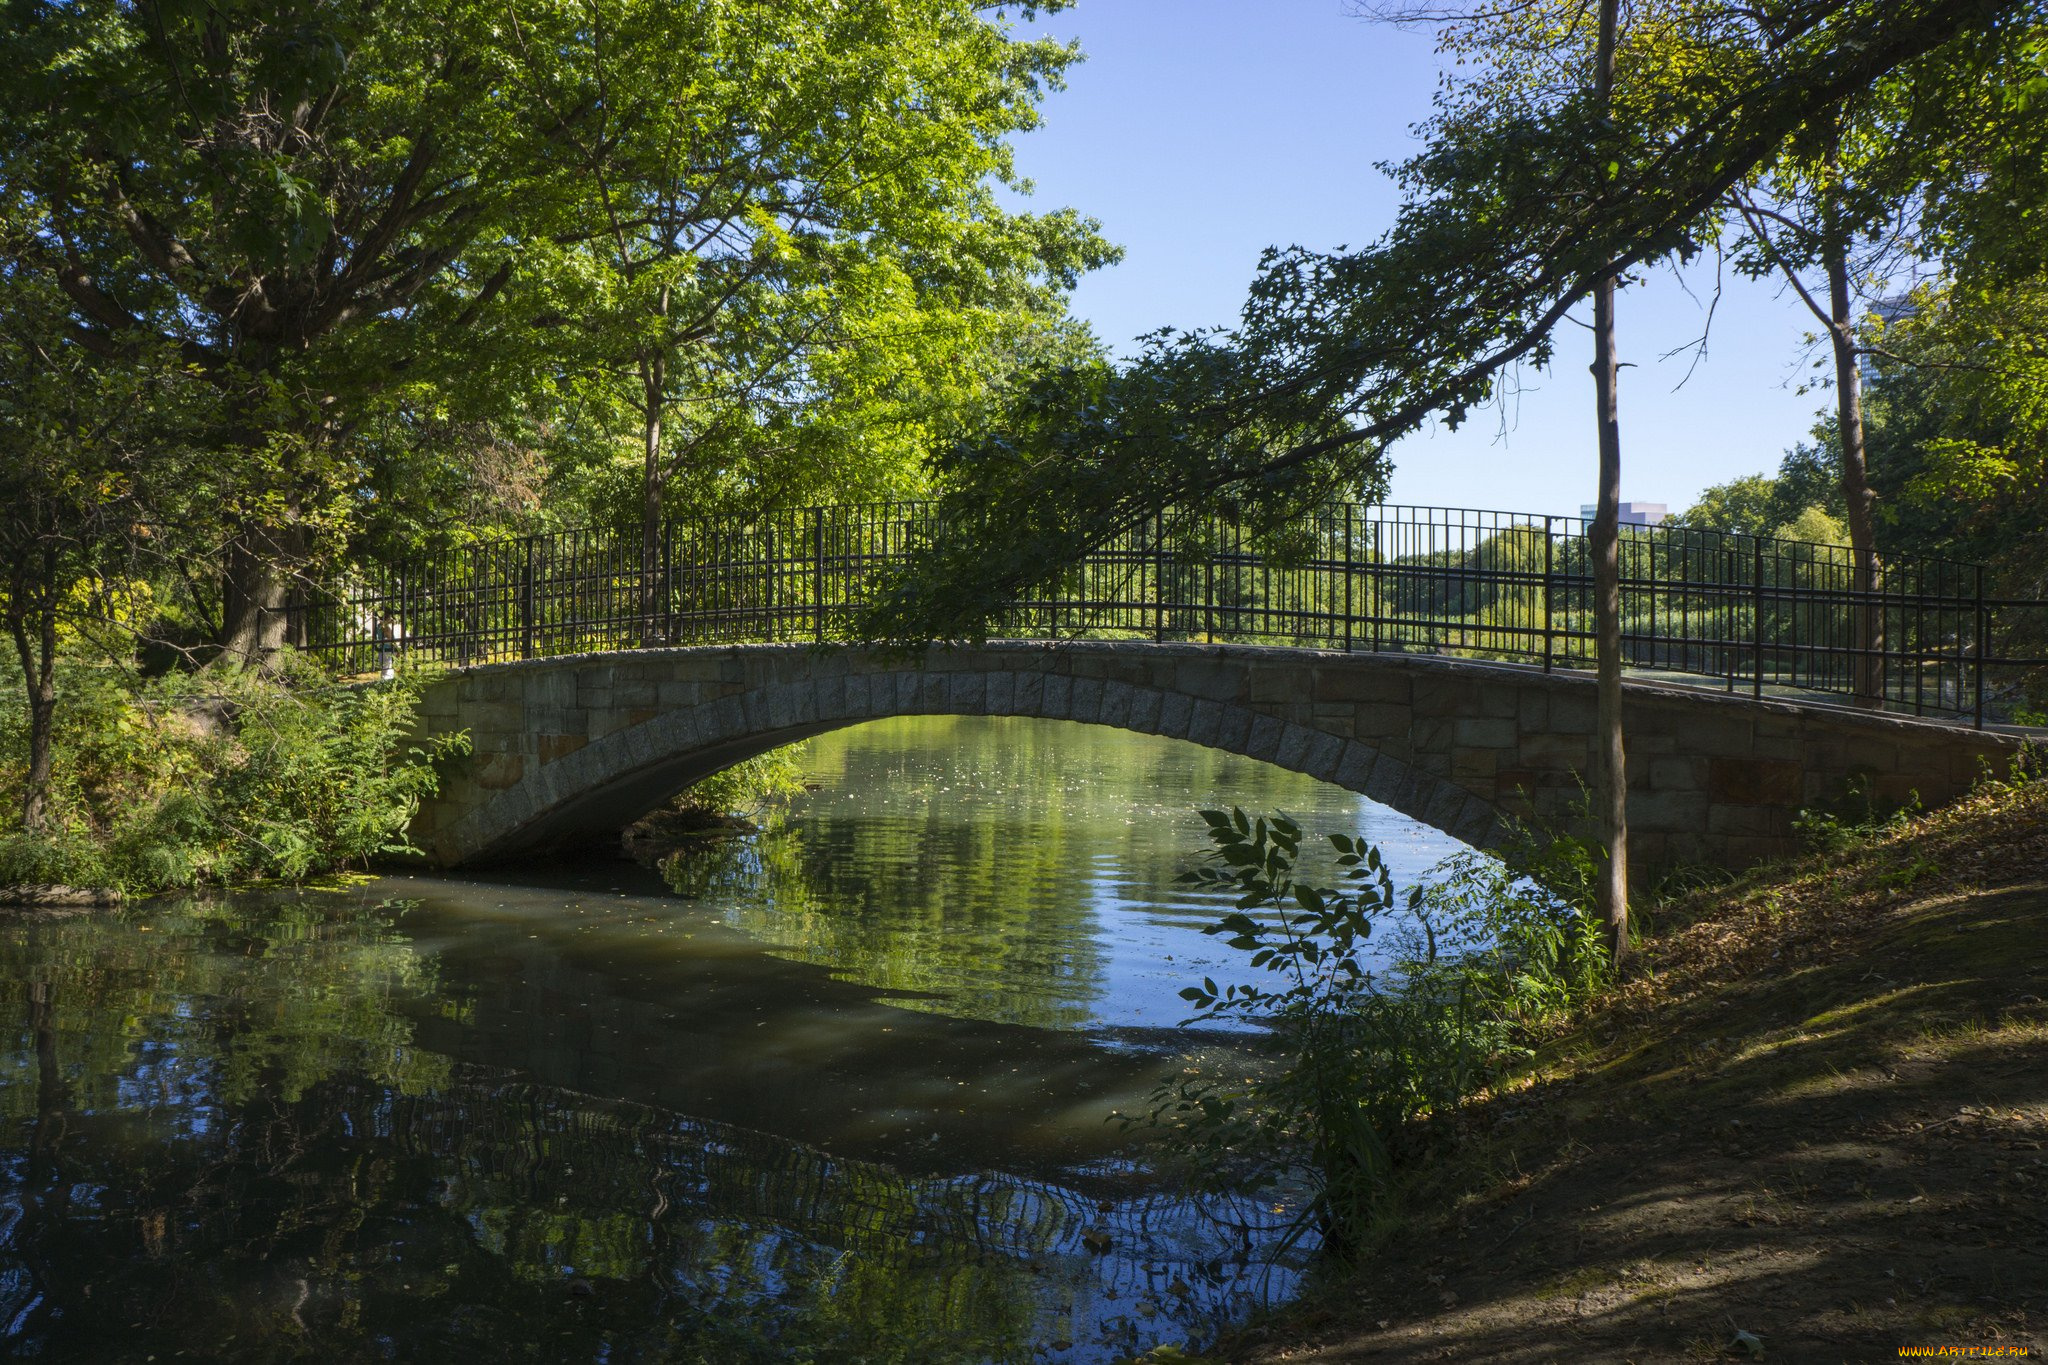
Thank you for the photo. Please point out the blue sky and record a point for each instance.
(1202, 131)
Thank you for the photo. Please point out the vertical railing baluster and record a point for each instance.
(1756, 625)
(1349, 614)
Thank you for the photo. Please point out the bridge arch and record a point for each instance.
(570, 749)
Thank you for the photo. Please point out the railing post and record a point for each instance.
(1983, 629)
(526, 602)
(1348, 615)
(1549, 568)
(1756, 624)
(1159, 576)
(1378, 580)
(818, 572)
(1209, 594)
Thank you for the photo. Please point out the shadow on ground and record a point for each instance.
(1819, 1118)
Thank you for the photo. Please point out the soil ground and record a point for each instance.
(1813, 1127)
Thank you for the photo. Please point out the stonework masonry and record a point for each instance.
(568, 750)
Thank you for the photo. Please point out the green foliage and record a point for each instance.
(749, 784)
(221, 777)
(1513, 211)
(1369, 1044)
(1852, 820)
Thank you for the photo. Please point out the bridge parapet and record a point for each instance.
(569, 749)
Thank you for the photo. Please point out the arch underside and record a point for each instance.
(589, 795)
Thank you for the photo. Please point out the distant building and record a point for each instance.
(1633, 513)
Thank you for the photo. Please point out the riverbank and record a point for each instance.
(1814, 1127)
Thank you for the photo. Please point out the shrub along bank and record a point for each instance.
(217, 777)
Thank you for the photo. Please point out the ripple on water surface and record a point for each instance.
(846, 1101)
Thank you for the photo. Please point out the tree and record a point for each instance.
(1818, 210)
(1610, 766)
(1335, 355)
(775, 205)
(307, 207)
(66, 505)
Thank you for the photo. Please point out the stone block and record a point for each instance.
(635, 692)
(1277, 686)
(968, 693)
(1176, 710)
(1205, 722)
(1363, 680)
(1485, 732)
(1441, 808)
(1573, 712)
(1754, 781)
(1028, 697)
(1209, 679)
(553, 747)
(1667, 810)
(1117, 700)
(1477, 824)
(1001, 697)
(1392, 783)
(1263, 739)
(1671, 774)
(1146, 705)
(1501, 701)
(1749, 820)
(1325, 752)
(1382, 720)
(497, 771)
(1234, 728)
(1432, 734)
(1532, 711)
(1354, 767)
(494, 717)
(1059, 697)
(1087, 700)
(1443, 697)
(1292, 750)
(1572, 753)
(1474, 768)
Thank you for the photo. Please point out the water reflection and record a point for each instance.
(1014, 870)
(574, 1117)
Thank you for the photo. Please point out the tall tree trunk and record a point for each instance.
(1610, 752)
(652, 384)
(263, 563)
(1867, 637)
(36, 645)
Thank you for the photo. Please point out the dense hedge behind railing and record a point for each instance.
(1752, 613)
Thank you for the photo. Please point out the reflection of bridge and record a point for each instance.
(591, 727)
(570, 749)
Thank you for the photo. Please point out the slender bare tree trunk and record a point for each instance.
(36, 645)
(1857, 496)
(652, 384)
(1610, 753)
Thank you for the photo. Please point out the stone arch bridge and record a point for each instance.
(569, 749)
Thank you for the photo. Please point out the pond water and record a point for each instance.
(838, 1093)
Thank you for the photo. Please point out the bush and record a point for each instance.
(220, 777)
(1472, 957)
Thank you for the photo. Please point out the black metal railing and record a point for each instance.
(1748, 613)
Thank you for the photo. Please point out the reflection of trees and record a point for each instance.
(532, 1223)
(220, 1137)
(974, 860)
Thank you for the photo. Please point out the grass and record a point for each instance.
(1817, 1113)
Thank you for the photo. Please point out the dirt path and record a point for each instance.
(1820, 1120)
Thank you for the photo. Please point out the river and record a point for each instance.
(833, 1092)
